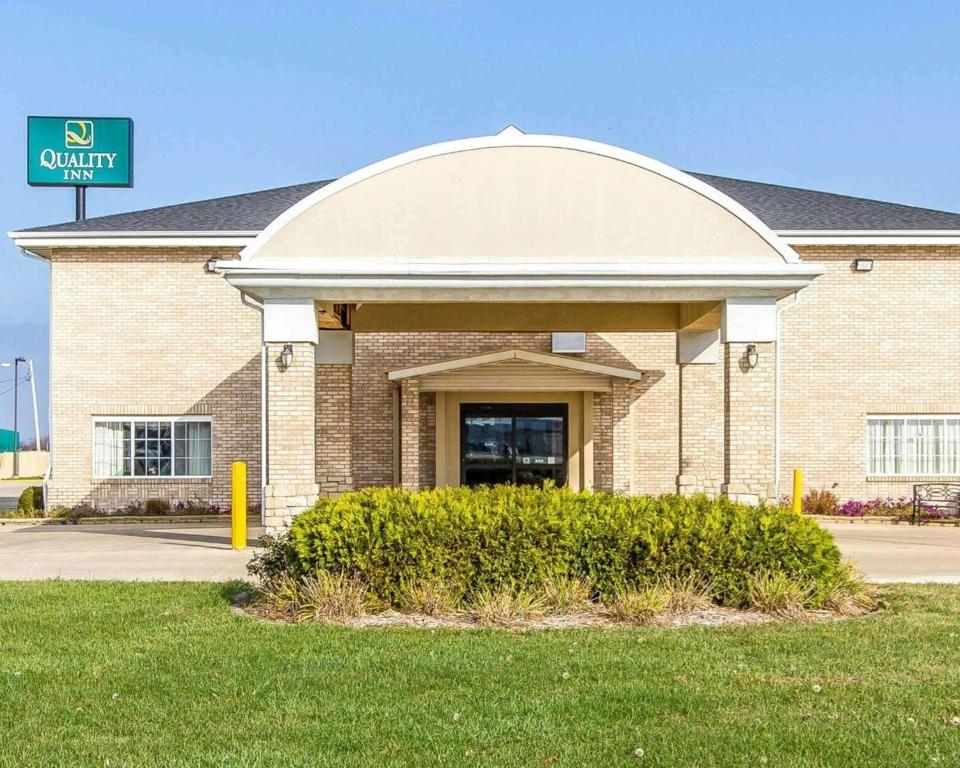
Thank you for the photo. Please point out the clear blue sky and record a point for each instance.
(860, 98)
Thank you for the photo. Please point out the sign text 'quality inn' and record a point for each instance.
(80, 151)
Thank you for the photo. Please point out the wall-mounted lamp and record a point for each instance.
(286, 357)
(752, 356)
(863, 265)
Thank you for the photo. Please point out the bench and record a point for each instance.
(936, 501)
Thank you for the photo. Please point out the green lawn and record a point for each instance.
(166, 675)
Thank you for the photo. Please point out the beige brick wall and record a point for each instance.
(334, 408)
(291, 429)
(886, 341)
(749, 422)
(410, 442)
(291, 415)
(150, 332)
(652, 426)
(702, 404)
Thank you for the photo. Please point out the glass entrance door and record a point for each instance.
(522, 443)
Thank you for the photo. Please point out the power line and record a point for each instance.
(6, 391)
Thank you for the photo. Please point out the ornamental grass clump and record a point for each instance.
(820, 502)
(689, 593)
(848, 594)
(505, 606)
(780, 594)
(481, 541)
(638, 605)
(565, 595)
(430, 597)
(321, 597)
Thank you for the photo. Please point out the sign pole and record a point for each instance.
(81, 203)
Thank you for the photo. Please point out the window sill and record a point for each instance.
(913, 478)
(158, 480)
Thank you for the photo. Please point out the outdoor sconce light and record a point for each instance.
(863, 265)
(286, 357)
(752, 356)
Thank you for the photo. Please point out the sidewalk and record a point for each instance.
(159, 552)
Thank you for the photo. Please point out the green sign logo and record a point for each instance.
(80, 151)
(79, 134)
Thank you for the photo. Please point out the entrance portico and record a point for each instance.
(482, 248)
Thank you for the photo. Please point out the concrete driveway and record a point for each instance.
(901, 552)
(202, 552)
(160, 552)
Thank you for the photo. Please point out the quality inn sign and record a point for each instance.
(80, 151)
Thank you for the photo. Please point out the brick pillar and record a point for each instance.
(623, 442)
(410, 434)
(749, 423)
(334, 403)
(291, 443)
(702, 407)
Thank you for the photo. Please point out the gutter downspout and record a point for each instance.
(253, 303)
(49, 473)
(776, 387)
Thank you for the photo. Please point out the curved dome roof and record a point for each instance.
(514, 200)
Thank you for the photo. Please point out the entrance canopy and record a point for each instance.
(517, 218)
(515, 370)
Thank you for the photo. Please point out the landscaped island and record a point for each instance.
(507, 555)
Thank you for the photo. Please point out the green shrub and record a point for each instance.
(490, 538)
(82, 510)
(31, 502)
(274, 559)
(157, 507)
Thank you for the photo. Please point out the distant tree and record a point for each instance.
(30, 444)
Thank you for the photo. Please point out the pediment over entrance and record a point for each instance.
(515, 370)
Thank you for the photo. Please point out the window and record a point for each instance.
(523, 444)
(152, 446)
(913, 445)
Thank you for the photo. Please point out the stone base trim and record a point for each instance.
(741, 493)
(283, 502)
(688, 485)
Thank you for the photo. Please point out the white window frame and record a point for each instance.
(173, 421)
(904, 417)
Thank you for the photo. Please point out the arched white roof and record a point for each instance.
(527, 201)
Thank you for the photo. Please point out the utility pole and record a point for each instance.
(36, 415)
(16, 432)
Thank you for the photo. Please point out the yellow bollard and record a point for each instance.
(797, 502)
(238, 507)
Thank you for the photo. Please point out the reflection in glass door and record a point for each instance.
(521, 443)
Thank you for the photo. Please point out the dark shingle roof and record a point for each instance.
(249, 212)
(792, 208)
(780, 208)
